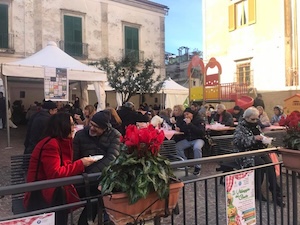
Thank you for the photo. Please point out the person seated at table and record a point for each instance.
(263, 117)
(88, 113)
(166, 116)
(193, 128)
(177, 119)
(237, 113)
(247, 137)
(222, 116)
(278, 114)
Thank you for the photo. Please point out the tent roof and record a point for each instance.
(52, 56)
(171, 87)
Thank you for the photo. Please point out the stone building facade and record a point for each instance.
(86, 29)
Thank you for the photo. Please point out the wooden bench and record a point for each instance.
(19, 167)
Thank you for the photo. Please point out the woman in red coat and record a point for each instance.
(56, 160)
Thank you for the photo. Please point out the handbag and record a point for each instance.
(36, 200)
(274, 159)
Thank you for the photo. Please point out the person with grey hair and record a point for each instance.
(222, 116)
(247, 137)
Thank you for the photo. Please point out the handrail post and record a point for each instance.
(295, 198)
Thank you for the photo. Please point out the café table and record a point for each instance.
(219, 128)
(170, 133)
(273, 128)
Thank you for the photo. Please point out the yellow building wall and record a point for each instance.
(262, 43)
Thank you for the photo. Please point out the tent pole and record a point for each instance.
(7, 119)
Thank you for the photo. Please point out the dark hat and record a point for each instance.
(102, 118)
(236, 107)
(49, 105)
(189, 110)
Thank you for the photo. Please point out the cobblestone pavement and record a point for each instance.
(195, 194)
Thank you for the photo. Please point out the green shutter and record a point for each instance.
(73, 35)
(3, 26)
(132, 42)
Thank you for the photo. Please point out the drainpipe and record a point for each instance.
(24, 28)
(295, 47)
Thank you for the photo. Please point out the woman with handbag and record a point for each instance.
(248, 136)
(52, 158)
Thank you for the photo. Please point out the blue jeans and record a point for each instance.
(197, 147)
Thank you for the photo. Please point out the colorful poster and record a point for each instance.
(43, 219)
(56, 84)
(240, 199)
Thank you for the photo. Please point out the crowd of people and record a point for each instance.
(52, 144)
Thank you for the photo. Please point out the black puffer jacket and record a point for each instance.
(195, 129)
(35, 129)
(108, 145)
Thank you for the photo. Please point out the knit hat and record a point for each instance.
(189, 110)
(49, 105)
(102, 118)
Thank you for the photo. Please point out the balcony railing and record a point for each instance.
(133, 55)
(76, 49)
(6, 42)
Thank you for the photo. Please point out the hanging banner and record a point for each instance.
(240, 199)
(43, 219)
(56, 84)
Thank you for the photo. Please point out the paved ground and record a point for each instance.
(195, 194)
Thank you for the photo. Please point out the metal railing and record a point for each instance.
(76, 49)
(6, 42)
(202, 200)
(133, 55)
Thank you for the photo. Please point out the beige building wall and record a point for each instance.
(34, 23)
(262, 43)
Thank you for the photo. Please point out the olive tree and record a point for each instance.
(129, 78)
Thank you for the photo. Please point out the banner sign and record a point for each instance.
(240, 199)
(43, 219)
(56, 84)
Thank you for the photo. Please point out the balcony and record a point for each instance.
(133, 55)
(75, 49)
(6, 43)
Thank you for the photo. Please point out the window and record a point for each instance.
(132, 43)
(243, 74)
(73, 35)
(3, 26)
(241, 13)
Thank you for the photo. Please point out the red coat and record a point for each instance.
(50, 166)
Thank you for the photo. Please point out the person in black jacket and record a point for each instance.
(37, 124)
(194, 133)
(99, 138)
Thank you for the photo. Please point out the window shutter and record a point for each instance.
(73, 35)
(231, 17)
(132, 42)
(3, 26)
(252, 11)
(68, 28)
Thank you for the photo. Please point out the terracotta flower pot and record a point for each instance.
(127, 213)
(291, 159)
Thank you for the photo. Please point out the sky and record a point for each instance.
(183, 25)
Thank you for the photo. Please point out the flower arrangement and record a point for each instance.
(139, 169)
(292, 123)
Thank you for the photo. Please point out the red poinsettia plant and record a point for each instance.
(139, 169)
(292, 123)
(143, 141)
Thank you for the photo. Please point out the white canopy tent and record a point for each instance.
(52, 56)
(173, 93)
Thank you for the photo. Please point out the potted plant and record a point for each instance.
(290, 152)
(139, 183)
